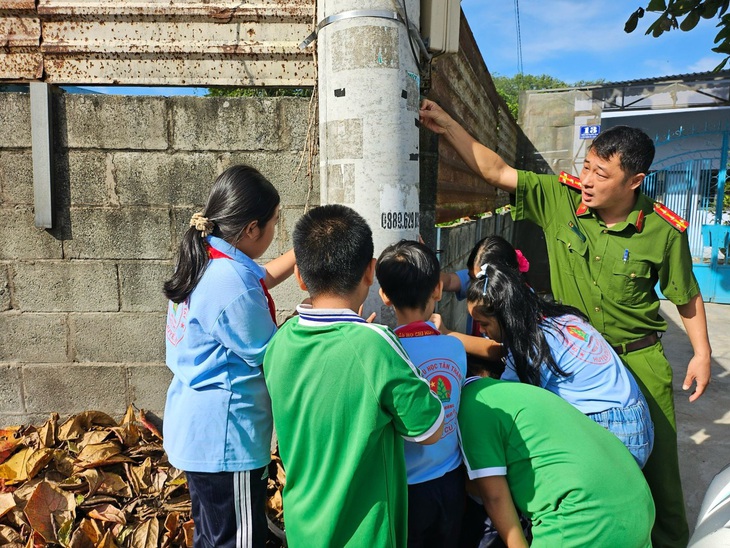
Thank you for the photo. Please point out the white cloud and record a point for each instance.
(706, 63)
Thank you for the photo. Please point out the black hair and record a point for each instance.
(239, 196)
(333, 245)
(408, 273)
(492, 249)
(634, 147)
(522, 315)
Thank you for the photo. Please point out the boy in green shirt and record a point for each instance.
(574, 479)
(344, 395)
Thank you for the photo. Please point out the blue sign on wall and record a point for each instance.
(589, 132)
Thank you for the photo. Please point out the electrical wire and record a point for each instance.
(519, 37)
(408, 30)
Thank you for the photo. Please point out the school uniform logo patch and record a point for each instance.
(177, 316)
(592, 350)
(441, 386)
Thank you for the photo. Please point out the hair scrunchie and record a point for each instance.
(523, 265)
(202, 224)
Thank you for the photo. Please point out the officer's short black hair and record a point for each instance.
(634, 147)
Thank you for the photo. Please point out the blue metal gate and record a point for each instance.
(692, 183)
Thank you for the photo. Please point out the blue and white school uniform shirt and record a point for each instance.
(442, 362)
(218, 411)
(597, 378)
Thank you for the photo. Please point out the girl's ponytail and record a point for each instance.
(240, 195)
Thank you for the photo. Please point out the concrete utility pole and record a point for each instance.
(368, 107)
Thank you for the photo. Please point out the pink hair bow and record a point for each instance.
(523, 265)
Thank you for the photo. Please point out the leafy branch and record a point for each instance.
(685, 15)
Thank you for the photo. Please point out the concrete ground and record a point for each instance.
(703, 426)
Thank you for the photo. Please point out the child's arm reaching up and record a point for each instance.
(476, 346)
(494, 491)
(279, 269)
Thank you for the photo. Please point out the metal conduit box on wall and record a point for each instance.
(440, 25)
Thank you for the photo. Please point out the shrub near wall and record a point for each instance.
(81, 309)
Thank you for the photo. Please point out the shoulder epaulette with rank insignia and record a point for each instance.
(671, 217)
(569, 180)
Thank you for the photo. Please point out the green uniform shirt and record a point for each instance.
(344, 395)
(608, 273)
(574, 479)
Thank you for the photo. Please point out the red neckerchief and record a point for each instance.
(213, 253)
(272, 306)
(415, 329)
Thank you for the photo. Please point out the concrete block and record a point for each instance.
(71, 388)
(127, 233)
(224, 123)
(141, 285)
(160, 178)
(11, 385)
(22, 240)
(15, 119)
(4, 288)
(115, 122)
(148, 386)
(84, 173)
(180, 221)
(68, 286)
(16, 177)
(284, 171)
(22, 419)
(118, 337)
(39, 338)
(237, 123)
(287, 220)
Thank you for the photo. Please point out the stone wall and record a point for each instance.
(81, 309)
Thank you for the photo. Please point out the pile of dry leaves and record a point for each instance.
(94, 483)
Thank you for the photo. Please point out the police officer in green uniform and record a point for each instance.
(609, 245)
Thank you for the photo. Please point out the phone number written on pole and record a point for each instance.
(399, 220)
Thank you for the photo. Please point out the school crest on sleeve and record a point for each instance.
(177, 321)
(569, 180)
(670, 216)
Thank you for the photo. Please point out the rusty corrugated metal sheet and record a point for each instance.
(164, 42)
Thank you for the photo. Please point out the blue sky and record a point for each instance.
(584, 40)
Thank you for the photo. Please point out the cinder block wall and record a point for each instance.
(81, 309)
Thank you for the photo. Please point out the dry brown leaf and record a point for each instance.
(146, 534)
(13, 469)
(75, 427)
(7, 503)
(148, 425)
(108, 513)
(47, 432)
(107, 541)
(99, 452)
(8, 441)
(113, 484)
(93, 479)
(45, 503)
(189, 528)
(79, 539)
(37, 460)
(63, 462)
(93, 437)
(92, 529)
(8, 535)
(140, 477)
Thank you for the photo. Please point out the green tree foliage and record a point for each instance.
(690, 12)
(509, 87)
(259, 92)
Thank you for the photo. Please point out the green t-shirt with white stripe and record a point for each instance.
(574, 479)
(344, 396)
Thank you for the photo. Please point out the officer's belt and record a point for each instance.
(644, 342)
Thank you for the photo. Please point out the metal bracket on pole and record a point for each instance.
(42, 151)
(377, 14)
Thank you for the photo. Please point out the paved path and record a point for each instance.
(703, 426)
